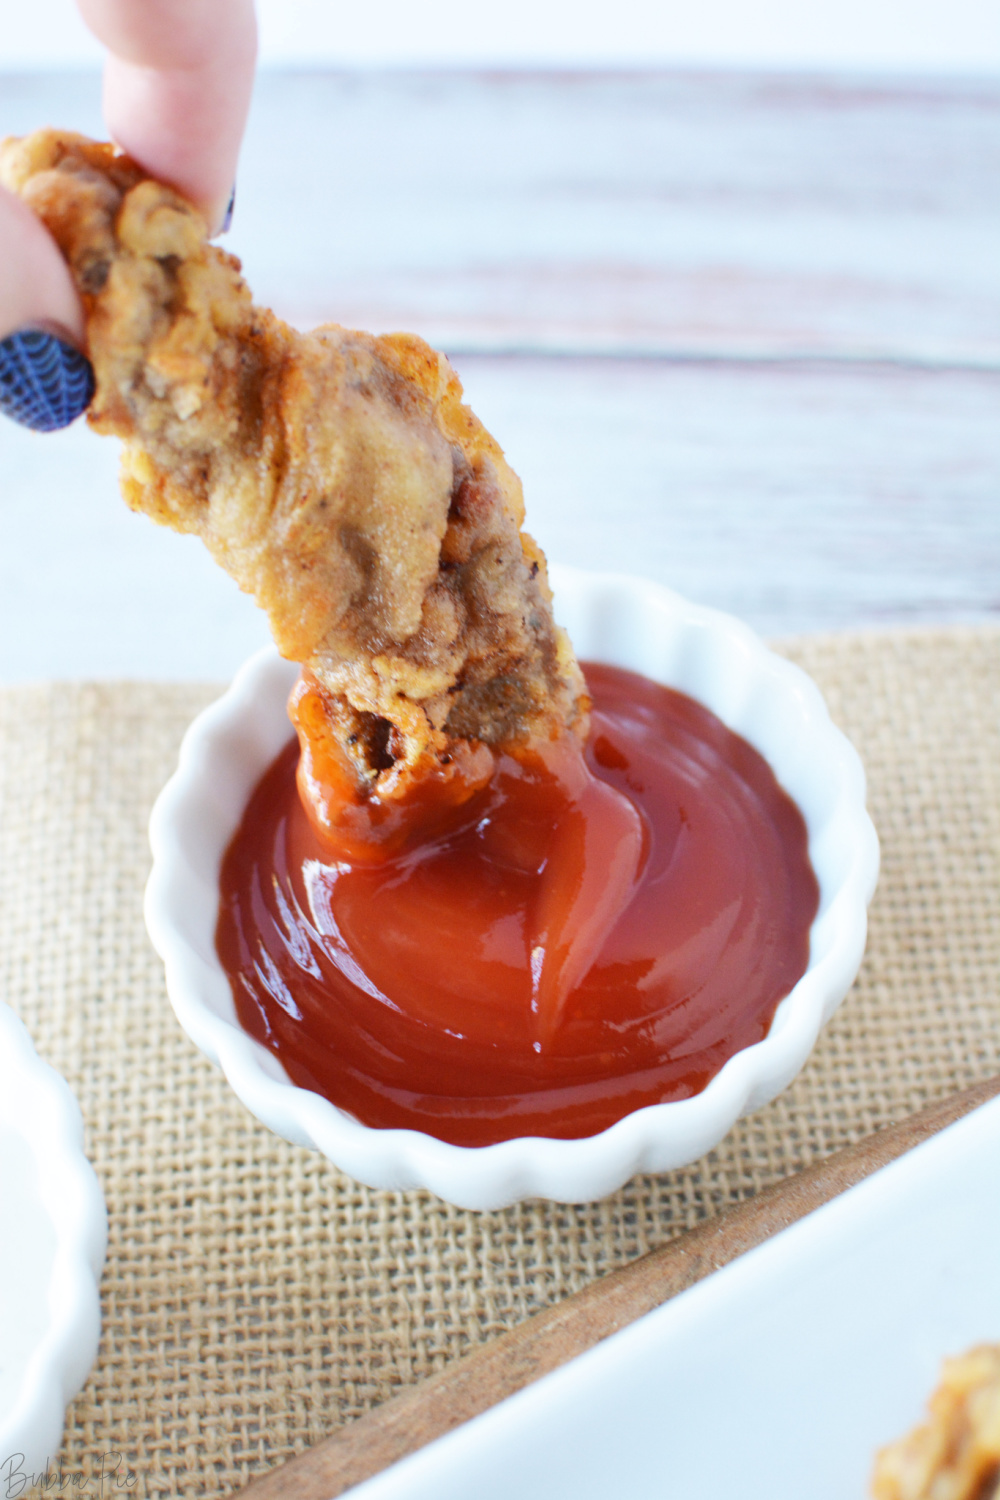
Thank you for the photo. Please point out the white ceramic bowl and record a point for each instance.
(623, 621)
(53, 1235)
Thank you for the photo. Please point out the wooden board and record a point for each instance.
(541, 1344)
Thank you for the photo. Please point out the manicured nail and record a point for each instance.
(227, 221)
(44, 382)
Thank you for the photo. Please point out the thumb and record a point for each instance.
(45, 381)
(36, 287)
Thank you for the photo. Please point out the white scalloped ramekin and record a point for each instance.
(627, 622)
(53, 1236)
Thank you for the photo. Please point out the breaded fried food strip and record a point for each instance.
(955, 1455)
(337, 476)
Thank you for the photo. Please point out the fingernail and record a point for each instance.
(44, 382)
(227, 221)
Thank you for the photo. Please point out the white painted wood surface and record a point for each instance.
(728, 215)
(741, 334)
(929, 36)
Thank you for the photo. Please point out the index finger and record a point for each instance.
(177, 88)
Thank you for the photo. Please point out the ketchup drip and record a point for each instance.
(588, 934)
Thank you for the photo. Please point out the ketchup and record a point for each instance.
(592, 933)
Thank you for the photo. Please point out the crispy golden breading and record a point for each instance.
(955, 1455)
(336, 476)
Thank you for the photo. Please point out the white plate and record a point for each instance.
(53, 1235)
(775, 1379)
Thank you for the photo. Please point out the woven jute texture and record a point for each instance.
(254, 1297)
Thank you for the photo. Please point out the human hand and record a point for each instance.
(177, 86)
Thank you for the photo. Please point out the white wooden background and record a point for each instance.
(740, 333)
(930, 36)
(916, 36)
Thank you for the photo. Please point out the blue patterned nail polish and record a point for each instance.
(227, 222)
(44, 382)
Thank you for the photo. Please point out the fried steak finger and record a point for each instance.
(955, 1454)
(337, 476)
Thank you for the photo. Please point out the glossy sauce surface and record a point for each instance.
(592, 936)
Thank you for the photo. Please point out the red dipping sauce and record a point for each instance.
(581, 943)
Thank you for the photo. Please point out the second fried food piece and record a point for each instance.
(955, 1455)
(337, 476)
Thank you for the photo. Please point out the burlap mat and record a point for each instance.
(254, 1298)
